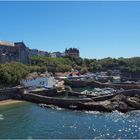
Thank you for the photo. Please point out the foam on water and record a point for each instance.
(1, 117)
(59, 108)
(92, 112)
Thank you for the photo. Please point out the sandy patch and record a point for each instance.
(9, 101)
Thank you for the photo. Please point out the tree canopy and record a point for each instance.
(92, 65)
(12, 73)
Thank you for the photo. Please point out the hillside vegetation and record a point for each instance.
(130, 65)
(12, 73)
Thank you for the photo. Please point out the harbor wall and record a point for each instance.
(65, 103)
(80, 83)
(10, 93)
(48, 92)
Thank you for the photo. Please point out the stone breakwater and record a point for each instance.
(79, 83)
(122, 101)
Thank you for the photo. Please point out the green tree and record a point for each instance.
(12, 73)
(63, 68)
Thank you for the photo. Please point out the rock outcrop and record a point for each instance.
(123, 101)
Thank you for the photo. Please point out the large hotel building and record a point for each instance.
(13, 52)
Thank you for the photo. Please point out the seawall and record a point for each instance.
(122, 101)
(65, 103)
(80, 83)
(10, 93)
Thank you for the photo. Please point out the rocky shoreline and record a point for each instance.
(123, 101)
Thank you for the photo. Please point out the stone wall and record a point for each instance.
(76, 83)
(65, 103)
(46, 92)
(10, 93)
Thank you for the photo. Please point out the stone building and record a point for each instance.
(35, 52)
(72, 52)
(56, 54)
(13, 52)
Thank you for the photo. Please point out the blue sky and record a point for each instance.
(98, 29)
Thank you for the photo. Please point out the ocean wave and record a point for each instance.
(51, 106)
(87, 112)
(58, 108)
(1, 117)
(92, 112)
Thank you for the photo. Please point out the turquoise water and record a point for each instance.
(27, 120)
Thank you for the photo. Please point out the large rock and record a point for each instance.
(94, 106)
(134, 102)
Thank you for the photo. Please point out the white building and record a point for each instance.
(48, 82)
(57, 54)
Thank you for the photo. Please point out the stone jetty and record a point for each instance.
(97, 84)
(124, 101)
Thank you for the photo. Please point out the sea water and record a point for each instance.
(28, 120)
